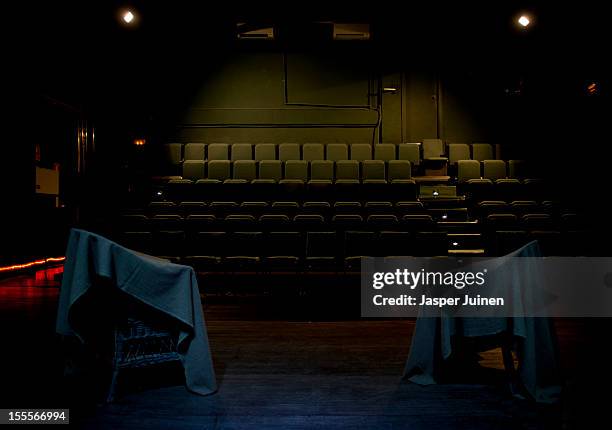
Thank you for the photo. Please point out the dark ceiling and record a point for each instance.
(74, 50)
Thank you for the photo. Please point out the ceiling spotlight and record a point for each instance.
(128, 17)
(524, 21)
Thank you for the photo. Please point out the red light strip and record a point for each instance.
(31, 264)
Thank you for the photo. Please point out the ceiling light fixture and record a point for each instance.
(128, 17)
(524, 21)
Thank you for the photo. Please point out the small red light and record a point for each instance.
(31, 264)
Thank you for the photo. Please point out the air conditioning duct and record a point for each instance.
(351, 31)
(252, 32)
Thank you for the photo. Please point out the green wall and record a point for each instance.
(327, 96)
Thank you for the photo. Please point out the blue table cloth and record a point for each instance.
(169, 288)
(538, 370)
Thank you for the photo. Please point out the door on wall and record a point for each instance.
(420, 106)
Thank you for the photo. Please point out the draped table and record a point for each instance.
(432, 343)
(171, 289)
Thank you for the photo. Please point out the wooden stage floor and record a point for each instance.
(280, 369)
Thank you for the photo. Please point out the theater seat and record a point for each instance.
(433, 157)
(322, 170)
(537, 221)
(373, 171)
(219, 170)
(275, 222)
(336, 152)
(347, 179)
(271, 169)
(218, 151)
(458, 151)
(195, 151)
(409, 208)
(173, 153)
(296, 170)
(283, 250)
(242, 151)
(296, 175)
(161, 208)
(378, 208)
(266, 187)
(308, 222)
(180, 189)
(201, 222)
(517, 169)
(409, 152)
(433, 149)
(289, 151)
(192, 208)
(285, 208)
(382, 222)
(221, 209)
(193, 169)
(494, 169)
(245, 170)
(239, 223)
(361, 151)
(254, 208)
(501, 221)
(345, 222)
(480, 189)
(207, 249)
(402, 187)
(418, 222)
(488, 207)
(347, 172)
(321, 177)
(373, 179)
(321, 251)
(245, 249)
(468, 169)
(482, 151)
(358, 245)
(265, 152)
(313, 152)
(167, 223)
(317, 208)
(134, 222)
(173, 157)
(341, 208)
(384, 152)
(522, 207)
(534, 188)
(399, 170)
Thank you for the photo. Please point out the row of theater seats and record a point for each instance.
(442, 219)
(170, 229)
(221, 209)
(175, 153)
(342, 170)
(276, 170)
(327, 250)
(326, 190)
